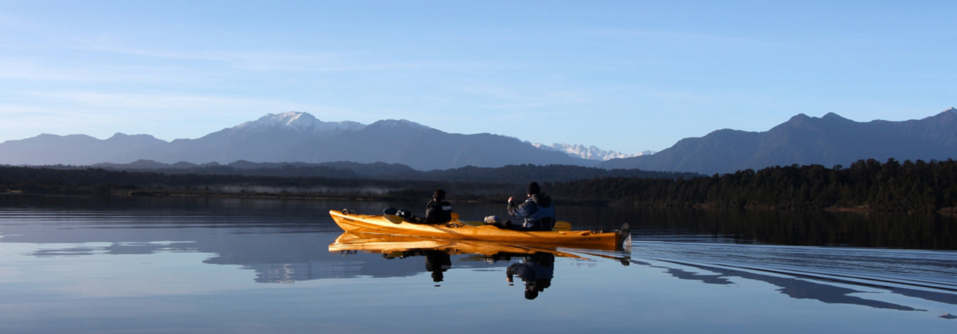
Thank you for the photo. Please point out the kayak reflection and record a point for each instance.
(392, 246)
(536, 269)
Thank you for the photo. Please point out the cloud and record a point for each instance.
(86, 72)
(283, 61)
(143, 101)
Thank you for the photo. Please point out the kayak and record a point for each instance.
(398, 246)
(350, 221)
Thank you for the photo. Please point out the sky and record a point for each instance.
(628, 76)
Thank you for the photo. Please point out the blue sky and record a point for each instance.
(622, 75)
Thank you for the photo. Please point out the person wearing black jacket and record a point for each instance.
(438, 211)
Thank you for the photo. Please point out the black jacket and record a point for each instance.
(438, 212)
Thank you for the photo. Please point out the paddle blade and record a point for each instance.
(562, 226)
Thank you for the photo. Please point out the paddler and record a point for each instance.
(438, 211)
(537, 210)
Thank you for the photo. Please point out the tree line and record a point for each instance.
(383, 171)
(872, 185)
(916, 186)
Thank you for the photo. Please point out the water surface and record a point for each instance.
(227, 265)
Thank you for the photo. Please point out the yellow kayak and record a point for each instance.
(350, 221)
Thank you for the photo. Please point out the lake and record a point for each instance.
(172, 265)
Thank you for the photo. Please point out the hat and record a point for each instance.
(533, 188)
(439, 194)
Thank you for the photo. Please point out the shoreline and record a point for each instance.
(949, 211)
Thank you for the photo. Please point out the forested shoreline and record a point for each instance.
(867, 185)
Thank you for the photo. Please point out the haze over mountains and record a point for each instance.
(300, 137)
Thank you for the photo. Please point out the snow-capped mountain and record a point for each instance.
(293, 137)
(588, 153)
(399, 124)
(300, 137)
(298, 121)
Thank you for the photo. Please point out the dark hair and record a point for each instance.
(533, 189)
(439, 194)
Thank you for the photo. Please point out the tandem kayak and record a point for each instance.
(350, 221)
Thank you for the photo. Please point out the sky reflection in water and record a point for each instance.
(250, 266)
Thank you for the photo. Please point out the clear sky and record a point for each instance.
(621, 75)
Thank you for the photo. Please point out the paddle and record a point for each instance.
(559, 225)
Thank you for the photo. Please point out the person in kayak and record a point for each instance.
(438, 211)
(537, 211)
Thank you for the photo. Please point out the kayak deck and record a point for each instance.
(359, 223)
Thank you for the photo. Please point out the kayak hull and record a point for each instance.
(380, 224)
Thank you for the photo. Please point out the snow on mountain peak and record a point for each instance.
(400, 123)
(589, 153)
(291, 119)
(299, 121)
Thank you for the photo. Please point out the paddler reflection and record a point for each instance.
(536, 270)
(437, 262)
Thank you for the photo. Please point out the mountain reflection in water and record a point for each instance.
(188, 265)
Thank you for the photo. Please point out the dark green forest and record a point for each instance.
(864, 185)
(384, 171)
(869, 185)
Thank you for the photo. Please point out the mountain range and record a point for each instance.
(299, 137)
(829, 141)
(293, 137)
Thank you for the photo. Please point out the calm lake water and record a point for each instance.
(90, 265)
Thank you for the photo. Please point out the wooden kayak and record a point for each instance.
(350, 221)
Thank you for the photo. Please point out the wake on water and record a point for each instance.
(827, 274)
(876, 267)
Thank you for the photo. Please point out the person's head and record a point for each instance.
(439, 195)
(531, 292)
(533, 189)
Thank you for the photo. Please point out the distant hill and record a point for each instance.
(518, 174)
(293, 137)
(297, 137)
(830, 140)
(47, 149)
